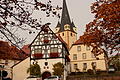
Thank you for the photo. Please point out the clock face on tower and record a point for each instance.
(67, 27)
(75, 29)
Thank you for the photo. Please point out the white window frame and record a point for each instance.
(92, 55)
(54, 50)
(87, 48)
(78, 48)
(84, 65)
(84, 56)
(75, 66)
(74, 56)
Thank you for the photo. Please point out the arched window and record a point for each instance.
(62, 34)
(71, 34)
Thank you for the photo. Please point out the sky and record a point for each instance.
(79, 11)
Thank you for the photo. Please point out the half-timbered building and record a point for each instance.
(48, 49)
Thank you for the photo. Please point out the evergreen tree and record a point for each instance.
(34, 70)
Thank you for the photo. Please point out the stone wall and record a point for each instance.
(113, 77)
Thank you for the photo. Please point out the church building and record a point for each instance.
(81, 56)
(66, 28)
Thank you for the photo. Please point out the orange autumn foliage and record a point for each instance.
(104, 30)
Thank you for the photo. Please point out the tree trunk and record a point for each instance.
(106, 60)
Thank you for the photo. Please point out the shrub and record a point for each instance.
(90, 71)
(98, 71)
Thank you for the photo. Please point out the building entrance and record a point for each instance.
(46, 75)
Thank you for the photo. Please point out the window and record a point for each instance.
(46, 51)
(37, 42)
(71, 34)
(84, 55)
(6, 62)
(75, 66)
(56, 29)
(62, 34)
(87, 48)
(92, 55)
(46, 40)
(74, 56)
(46, 63)
(58, 34)
(93, 64)
(66, 27)
(45, 37)
(54, 50)
(1, 66)
(0, 61)
(37, 50)
(84, 66)
(79, 48)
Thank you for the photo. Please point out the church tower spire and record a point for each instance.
(65, 19)
(66, 29)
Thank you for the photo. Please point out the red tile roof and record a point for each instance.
(10, 52)
(26, 49)
(79, 41)
(4, 50)
(14, 52)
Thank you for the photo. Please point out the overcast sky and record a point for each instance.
(79, 11)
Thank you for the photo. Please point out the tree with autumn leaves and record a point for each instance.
(103, 33)
(17, 14)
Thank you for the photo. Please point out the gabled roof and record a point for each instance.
(79, 41)
(59, 38)
(26, 49)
